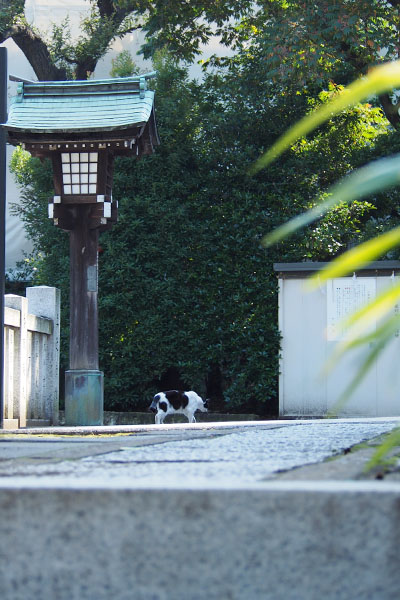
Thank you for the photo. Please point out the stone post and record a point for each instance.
(44, 301)
(20, 369)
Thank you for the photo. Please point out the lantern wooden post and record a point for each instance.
(83, 381)
(81, 126)
(84, 349)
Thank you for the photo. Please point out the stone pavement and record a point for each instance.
(200, 453)
(258, 510)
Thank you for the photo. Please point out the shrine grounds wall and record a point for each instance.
(31, 357)
(310, 324)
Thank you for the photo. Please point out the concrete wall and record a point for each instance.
(299, 541)
(146, 418)
(31, 357)
(308, 340)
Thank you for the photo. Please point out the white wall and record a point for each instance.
(306, 348)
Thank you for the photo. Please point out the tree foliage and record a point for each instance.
(182, 26)
(307, 43)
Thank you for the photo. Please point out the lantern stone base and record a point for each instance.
(84, 397)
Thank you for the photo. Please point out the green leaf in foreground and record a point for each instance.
(379, 80)
(375, 310)
(357, 336)
(356, 258)
(390, 442)
(384, 332)
(376, 176)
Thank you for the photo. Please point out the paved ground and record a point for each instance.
(200, 454)
(262, 510)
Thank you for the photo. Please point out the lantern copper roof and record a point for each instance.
(72, 110)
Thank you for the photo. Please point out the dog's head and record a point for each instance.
(203, 405)
(154, 405)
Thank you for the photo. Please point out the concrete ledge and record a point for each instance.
(34, 423)
(270, 541)
(146, 418)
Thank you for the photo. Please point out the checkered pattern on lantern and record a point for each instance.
(79, 171)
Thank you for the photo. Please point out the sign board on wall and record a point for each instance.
(344, 296)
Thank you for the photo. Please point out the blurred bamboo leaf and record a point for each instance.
(379, 80)
(376, 309)
(391, 441)
(375, 176)
(384, 331)
(358, 323)
(356, 258)
(362, 371)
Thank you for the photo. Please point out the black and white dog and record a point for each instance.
(173, 401)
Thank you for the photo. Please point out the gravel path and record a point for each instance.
(245, 456)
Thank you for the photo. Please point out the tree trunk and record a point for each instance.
(37, 53)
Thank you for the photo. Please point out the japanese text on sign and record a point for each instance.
(345, 295)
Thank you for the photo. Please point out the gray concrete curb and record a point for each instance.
(116, 539)
(272, 541)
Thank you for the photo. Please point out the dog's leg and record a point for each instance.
(160, 418)
(191, 418)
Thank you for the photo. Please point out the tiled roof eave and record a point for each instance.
(63, 130)
(118, 106)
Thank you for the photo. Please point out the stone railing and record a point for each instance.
(31, 357)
